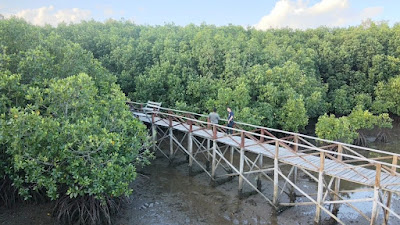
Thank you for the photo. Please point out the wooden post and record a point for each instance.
(241, 164)
(262, 136)
(317, 219)
(214, 154)
(171, 141)
(336, 206)
(276, 174)
(260, 165)
(294, 176)
(208, 154)
(374, 212)
(231, 160)
(208, 123)
(154, 132)
(296, 141)
(231, 155)
(389, 198)
(190, 147)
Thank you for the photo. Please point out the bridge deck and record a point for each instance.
(349, 172)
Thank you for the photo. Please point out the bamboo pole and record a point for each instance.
(317, 219)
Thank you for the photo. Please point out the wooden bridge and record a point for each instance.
(263, 153)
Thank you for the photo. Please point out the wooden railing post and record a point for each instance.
(276, 174)
(208, 123)
(262, 136)
(317, 219)
(375, 208)
(241, 164)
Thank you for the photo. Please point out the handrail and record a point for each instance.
(282, 131)
(290, 142)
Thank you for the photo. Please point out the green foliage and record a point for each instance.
(66, 132)
(206, 66)
(293, 115)
(66, 141)
(336, 129)
(342, 102)
(388, 96)
(69, 135)
(346, 128)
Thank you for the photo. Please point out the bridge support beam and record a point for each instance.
(214, 155)
(260, 165)
(208, 155)
(389, 198)
(317, 219)
(294, 176)
(241, 165)
(190, 148)
(154, 133)
(231, 160)
(214, 160)
(171, 144)
(375, 208)
(335, 208)
(276, 174)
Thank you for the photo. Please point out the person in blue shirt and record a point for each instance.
(231, 116)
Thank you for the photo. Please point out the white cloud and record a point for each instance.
(48, 15)
(300, 15)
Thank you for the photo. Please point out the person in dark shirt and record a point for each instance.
(231, 116)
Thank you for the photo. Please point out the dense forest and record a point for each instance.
(67, 134)
(280, 78)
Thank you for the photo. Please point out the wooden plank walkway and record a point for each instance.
(348, 172)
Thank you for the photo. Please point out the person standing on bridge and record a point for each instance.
(214, 117)
(231, 116)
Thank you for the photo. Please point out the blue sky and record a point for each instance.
(265, 14)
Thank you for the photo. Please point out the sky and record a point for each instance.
(296, 14)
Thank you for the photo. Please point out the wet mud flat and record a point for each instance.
(165, 194)
(168, 195)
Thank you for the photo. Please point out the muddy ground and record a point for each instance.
(168, 195)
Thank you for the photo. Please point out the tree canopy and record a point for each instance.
(65, 128)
